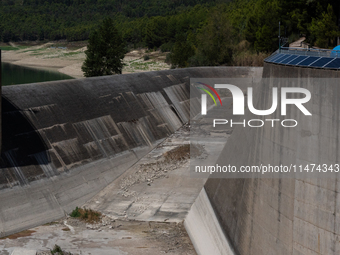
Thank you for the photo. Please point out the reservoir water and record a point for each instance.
(14, 74)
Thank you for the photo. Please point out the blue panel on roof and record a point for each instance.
(277, 60)
(271, 57)
(321, 62)
(287, 60)
(297, 60)
(304, 60)
(283, 59)
(278, 56)
(308, 61)
(334, 64)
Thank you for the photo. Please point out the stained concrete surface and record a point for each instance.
(144, 211)
(165, 197)
(149, 205)
(298, 215)
(89, 132)
(46, 200)
(51, 128)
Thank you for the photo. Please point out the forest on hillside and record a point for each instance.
(197, 32)
(75, 19)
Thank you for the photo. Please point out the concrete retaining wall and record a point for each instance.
(204, 229)
(64, 141)
(284, 215)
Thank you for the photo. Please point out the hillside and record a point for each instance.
(196, 32)
(74, 19)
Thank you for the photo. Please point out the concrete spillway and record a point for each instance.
(65, 141)
(284, 215)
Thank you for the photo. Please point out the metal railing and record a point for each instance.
(311, 52)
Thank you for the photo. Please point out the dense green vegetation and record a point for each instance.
(87, 215)
(197, 32)
(105, 51)
(75, 19)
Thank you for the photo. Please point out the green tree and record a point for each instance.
(105, 51)
(264, 39)
(262, 26)
(155, 32)
(324, 30)
(181, 52)
(215, 40)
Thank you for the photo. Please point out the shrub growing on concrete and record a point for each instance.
(87, 215)
(58, 251)
(75, 213)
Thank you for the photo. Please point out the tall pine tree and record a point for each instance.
(105, 51)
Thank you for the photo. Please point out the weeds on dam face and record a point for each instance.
(183, 152)
(180, 153)
(58, 251)
(87, 215)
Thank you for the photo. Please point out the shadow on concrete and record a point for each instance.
(22, 145)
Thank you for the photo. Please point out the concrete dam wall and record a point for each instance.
(284, 215)
(65, 141)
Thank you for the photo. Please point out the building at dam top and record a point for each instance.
(65, 141)
(314, 58)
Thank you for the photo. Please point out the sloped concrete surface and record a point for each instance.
(65, 141)
(144, 208)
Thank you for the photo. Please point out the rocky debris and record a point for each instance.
(160, 167)
(174, 237)
(105, 223)
(167, 157)
(185, 128)
(44, 253)
(165, 237)
(148, 173)
(74, 222)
